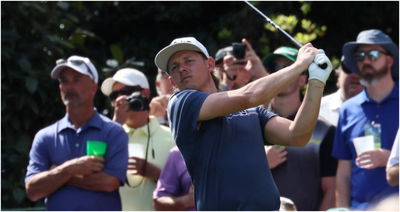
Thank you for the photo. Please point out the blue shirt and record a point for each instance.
(61, 142)
(367, 185)
(225, 156)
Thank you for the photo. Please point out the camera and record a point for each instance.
(137, 102)
(238, 50)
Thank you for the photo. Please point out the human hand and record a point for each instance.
(137, 167)
(158, 105)
(373, 158)
(121, 109)
(276, 155)
(254, 64)
(84, 165)
(189, 198)
(305, 56)
(315, 71)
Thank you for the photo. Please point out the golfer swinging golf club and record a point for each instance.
(222, 134)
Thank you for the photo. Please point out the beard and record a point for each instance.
(370, 76)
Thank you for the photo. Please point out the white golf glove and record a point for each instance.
(316, 72)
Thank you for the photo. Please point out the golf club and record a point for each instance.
(297, 43)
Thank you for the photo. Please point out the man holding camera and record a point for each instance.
(149, 142)
(237, 65)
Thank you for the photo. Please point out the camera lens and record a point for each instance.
(137, 102)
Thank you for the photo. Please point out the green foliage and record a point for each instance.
(289, 23)
(129, 34)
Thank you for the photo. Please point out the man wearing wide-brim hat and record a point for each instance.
(361, 178)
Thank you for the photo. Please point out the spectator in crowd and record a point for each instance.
(311, 168)
(219, 72)
(158, 105)
(174, 191)
(212, 129)
(235, 70)
(392, 168)
(348, 84)
(59, 167)
(149, 142)
(361, 179)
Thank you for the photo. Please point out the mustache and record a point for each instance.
(367, 66)
(70, 94)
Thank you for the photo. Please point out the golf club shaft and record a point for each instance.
(297, 43)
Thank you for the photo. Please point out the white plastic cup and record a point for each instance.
(136, 150)
(364, 143)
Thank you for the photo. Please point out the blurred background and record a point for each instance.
(129, 34)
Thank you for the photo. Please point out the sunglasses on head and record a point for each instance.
(128, 90)
(77, 63)
(372, 55)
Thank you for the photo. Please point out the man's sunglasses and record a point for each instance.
(275, 67)
(128, 90)
(372, 55)
(77, 63)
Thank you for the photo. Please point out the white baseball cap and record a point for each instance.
(126, 76)
(77, 63)
(179, 44)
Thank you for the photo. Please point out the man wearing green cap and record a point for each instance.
(310, 168)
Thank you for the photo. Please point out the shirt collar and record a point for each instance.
(394, 94)
(153, 126)
(95, 122)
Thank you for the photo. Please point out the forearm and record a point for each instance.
(171, 203)
(251, 95)
(392, 175)
(266, 88)
(343, 175)
(99, 181)
(152, 172)
(328, 192)
(303, 125)
(342, 194)
(45, 183)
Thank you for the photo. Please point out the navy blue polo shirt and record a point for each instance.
(61, 142)
(225, 156)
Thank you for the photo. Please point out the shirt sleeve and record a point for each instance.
(328, 163)
(117, 153)
(39, 160)
(168, 182)
(341, 149)
(264, 117)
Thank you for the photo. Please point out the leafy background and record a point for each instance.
(119, 34)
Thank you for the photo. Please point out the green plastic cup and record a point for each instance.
(96, 148)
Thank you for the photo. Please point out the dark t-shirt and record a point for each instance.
(301, 173)
(225, 156)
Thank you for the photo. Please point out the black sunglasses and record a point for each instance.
(275, 67)
(372, 55)
(77, 63)
(128, 90)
